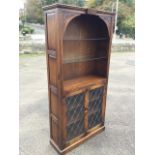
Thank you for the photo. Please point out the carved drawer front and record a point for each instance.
(95, 107)
(75, 115)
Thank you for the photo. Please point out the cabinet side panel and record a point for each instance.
(52, 72)
(51, 33)
(54, 131)
(52, 62)
(54, 105)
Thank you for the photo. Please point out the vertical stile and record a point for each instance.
(104, 105)
(86, 101)
(59, 26)
(64, 107)
(47, 62)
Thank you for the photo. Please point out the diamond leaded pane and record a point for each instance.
(75, 129)
(95, 107)
(94, 119)
(95, 93)
(75, 115)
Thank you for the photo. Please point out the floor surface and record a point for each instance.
(118, 137)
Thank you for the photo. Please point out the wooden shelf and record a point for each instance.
(83, 60)
(82, 82)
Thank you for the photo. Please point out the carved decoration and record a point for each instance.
(68, 16)
(108, 20)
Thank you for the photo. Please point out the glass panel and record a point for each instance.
(75, 116)
(94, 119)
(95, 107)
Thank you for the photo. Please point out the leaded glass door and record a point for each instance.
(83, 111)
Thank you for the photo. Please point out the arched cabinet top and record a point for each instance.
(69, 13)
(69, 17)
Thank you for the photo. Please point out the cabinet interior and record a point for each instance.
(85, 53)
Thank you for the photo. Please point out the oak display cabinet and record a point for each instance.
(78, 47)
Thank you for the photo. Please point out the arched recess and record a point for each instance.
(85, 47)
(71, 17)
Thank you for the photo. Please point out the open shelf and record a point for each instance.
(84, 59)
(85, 52)
(82, 82)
